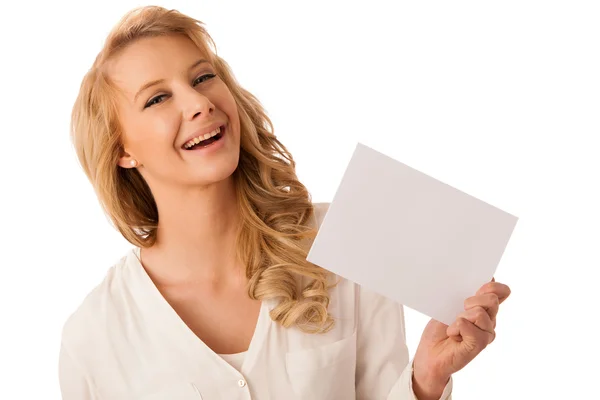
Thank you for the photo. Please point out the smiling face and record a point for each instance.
(172, 98)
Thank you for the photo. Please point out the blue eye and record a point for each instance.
(197, 81)
(153, 101)
(207, 76)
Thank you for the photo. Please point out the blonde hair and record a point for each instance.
(276, 209)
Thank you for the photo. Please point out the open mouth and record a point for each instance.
(206, 140)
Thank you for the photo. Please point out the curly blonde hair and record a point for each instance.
(276, 209)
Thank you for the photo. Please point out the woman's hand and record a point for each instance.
(444, 349)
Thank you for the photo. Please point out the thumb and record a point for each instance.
(453, 331)
(435, 331)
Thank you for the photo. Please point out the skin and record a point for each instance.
(193, 262)
(444, 350)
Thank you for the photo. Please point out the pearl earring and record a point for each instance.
(133, 163)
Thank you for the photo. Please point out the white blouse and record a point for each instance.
(126, 342)
(235, 360)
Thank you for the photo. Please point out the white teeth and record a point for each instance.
(201, 138)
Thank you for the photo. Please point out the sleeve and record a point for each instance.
(383, 370)
(73, 383)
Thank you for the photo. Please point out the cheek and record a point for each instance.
(165, 129)
(232, 113)
(156, 133)
(224, 100)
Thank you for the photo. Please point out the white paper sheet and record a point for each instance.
(410, 237)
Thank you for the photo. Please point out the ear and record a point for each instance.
(127, 161)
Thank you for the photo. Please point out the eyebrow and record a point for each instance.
(157, 81)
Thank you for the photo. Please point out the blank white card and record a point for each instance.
(410, 237)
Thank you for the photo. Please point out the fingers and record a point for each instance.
(479, 318)
(488, 302)
(499, 289)
(476, 325)
(473, 337)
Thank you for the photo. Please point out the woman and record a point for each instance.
(216, 300)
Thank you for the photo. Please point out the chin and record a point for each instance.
(217, 171)
(213, 164)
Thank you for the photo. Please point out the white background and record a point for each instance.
(498, 99)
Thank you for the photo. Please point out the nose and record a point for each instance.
(196, 104)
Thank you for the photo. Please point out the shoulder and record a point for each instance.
(320, 209)
(347, 293)
(343, 293)
(95, 310)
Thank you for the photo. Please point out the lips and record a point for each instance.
(206, 142)
(200, 133)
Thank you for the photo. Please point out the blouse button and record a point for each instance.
(242, 383)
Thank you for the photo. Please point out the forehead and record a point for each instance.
(149, 59)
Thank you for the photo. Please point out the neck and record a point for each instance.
(196, 235)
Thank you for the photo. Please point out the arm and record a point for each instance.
(383, 370)
(73, 383)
